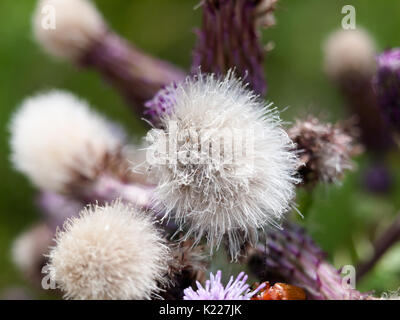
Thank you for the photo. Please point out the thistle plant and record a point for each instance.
(218, 165)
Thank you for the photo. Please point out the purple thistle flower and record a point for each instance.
(214, 290)
(387, 86)
(162, 103)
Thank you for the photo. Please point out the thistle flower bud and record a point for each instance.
(110, 252)
(58, 142)
(324, 149)
(292, 256)
(236, 289)
(229, 38)
(350, 62)
(162, 103)
(387, 85)
(88, 42)
(229, 168)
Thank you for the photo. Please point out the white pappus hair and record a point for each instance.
(110, 252)
(56, 139)
(67, 28)
(235, 196)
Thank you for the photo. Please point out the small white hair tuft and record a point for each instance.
(109, 252)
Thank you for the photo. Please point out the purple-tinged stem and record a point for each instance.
(107, 188)
(137, 75)
(57, 208)
(363, 102)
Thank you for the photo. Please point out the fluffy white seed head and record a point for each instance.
(110, 252)
(67, 28)
(57, 140)
(234, 171)
(349, 52)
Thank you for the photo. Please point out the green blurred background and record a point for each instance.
(343, 219)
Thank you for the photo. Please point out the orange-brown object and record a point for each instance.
(280, 291)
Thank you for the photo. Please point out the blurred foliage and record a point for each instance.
(343, 219)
